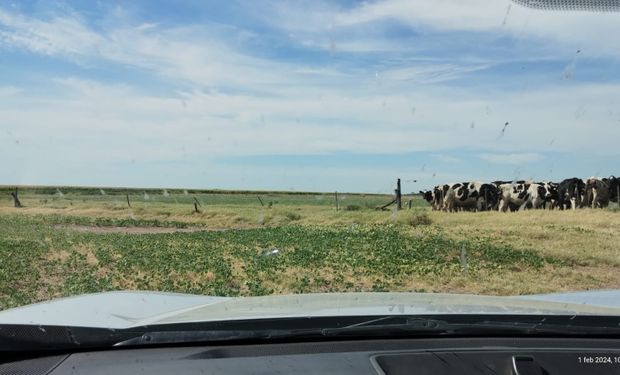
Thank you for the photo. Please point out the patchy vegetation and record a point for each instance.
(418, 218)
(228, 249)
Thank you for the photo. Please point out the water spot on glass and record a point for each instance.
(569, 70)
(507, 14)
(332, 46)
(501, 134)
(580, 112)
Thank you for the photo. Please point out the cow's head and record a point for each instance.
(427, 195)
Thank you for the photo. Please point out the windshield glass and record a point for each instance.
(258, 148)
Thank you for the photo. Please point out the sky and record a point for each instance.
(305, 95)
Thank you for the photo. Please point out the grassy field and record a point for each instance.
(68, 241)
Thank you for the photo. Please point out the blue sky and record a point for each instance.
(318, 95)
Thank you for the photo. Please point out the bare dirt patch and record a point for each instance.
(130, 230)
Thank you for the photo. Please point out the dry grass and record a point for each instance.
(588, 239)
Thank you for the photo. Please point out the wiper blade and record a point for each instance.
(210, 336)
(432, 327)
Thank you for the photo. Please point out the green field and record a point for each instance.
(69, 241)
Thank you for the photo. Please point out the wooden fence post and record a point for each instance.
(399, 205)
(410, 200)
(261, 201)
(16, 201)
(127, 196)
(337, 207)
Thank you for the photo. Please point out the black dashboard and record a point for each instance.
(520, 356)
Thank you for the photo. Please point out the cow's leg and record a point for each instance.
(502, 205)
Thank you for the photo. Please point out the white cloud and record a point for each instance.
(516, 159)
(447, 159)
(562, 32)
(9, 91)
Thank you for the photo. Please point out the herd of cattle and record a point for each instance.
(571, 193)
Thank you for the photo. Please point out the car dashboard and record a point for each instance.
(519, 356)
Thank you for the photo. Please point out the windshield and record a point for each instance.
(260, 148)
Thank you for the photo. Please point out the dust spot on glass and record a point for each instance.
(487, 109)
(262, 119)
(552, 142)
(423, 167)
(413, 110)
(472, 125)
(434, 174)
(383, 104)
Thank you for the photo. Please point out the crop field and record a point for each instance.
(67, 241)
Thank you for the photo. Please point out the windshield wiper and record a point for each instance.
(210, 336)
(424, 326)
(388, 326)
(25, 337)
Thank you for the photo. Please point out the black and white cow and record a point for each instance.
(522, 195)
(470, 196)
(551, 194)
(428, 196)
(435, 197)
(597, 192)
(571, 192)
(614, 189)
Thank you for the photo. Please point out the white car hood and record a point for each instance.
(130, 309)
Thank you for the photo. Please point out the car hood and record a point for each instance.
(131, 309)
